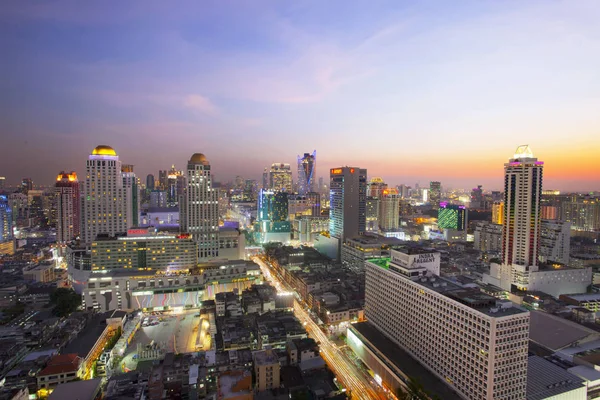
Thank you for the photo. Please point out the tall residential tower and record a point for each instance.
(307, 166)
(199, 211)
(68, 205)
(347, 199)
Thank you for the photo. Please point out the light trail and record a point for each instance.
(351, 377)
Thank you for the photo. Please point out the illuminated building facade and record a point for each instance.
(376, 187)
(452, 217)
(68, 204)
(6, 220)
(372, 214)
(485, 340)
(434, 196)
(199, 213)
(347, 202)
(280, 178)
(272, 217)
(583, 212)
(26, 185)
(131, 187)
(498, 212)
(389, 210)
(143, 249)
(105, 204)
(522, 219)
(307, 167)
(2, 182)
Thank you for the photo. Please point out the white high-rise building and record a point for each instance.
(555, 242)
(68, 203)
(105, 204)
(475, 343)
(199, 211)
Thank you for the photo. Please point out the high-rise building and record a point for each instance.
(272, 206)
(498, 212)
(522, 192)
(452, 217)
(280, 177)
(484, 340)
(347, 202)
(265, 179)
(130, 184)
(150, 182)
(404, 191)
(173, 181)
(19, 204)
(6, 220)
(555, 241)
(389, 210)
(372, 214)
(26, 185)
(2, 182)
(307, 167)
(158, 199)
(488, 237)
(376, 187)
(435, 194)
(477, 200)
(163, 180)
(199, 214)
(583, 212)
(105, 205)
(68, 203)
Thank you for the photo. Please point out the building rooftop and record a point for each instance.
(61, 363)
(556, 333)
(85, 341)
(234, 383)
(79, 390)
(469, 296)
(546, 380)
(404, 361)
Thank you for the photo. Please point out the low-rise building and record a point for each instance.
(61, 368)
(266, 370)
(235, 385)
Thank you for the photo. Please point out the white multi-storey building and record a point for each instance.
(488, 237)
(199, 211)
(476, 343)
(105, 202)
(555, 241)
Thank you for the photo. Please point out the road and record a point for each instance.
(360, 385)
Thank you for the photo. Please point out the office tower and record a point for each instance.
(347, 202)
(522, 192)
(199, 212)
(452, 217)
(19, 204)
(2, 182)
(171, 189)
(130, 184)
(68, 203)
(26, 185)
(403, 191)
(6, 219)
(372, 214)
(273, 206)
(280, 177)
(150, 182)
(477, 200)
(158, 199)
(376, 187)
(163, 180)
(105, 202)
(498, 212)
(583, 212)
(389, 210)
(307, 166)
(482, 342)
(314, 199)
(555, 241)
(435, 194)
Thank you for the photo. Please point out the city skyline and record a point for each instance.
(404, 90)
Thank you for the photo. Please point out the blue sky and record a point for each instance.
(413, 91)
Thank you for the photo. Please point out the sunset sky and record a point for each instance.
(411, 90)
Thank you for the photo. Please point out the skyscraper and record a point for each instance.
(163, 179)
(105, 202)
(133, 198)
(477, 200)
(372, 214)
(522, 192)
(2, 182)
(6, 221)
(389, 210)
(199, 213)
(347, 202)
(435, 194)
(307, 166)
(498, 213)
(280, 177)
(150, 182)
(68, 204)
(376, 187)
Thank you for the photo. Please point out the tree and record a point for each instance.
(65, 301)
(414, 390)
